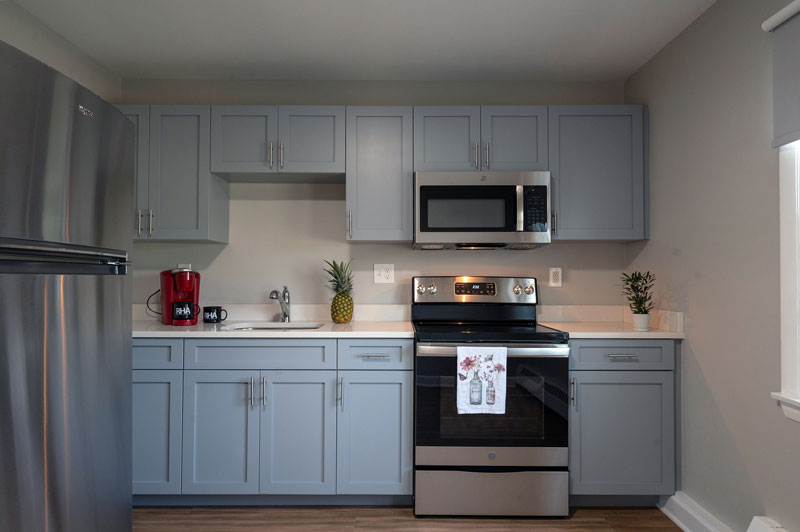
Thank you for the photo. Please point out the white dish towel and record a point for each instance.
(481, 379)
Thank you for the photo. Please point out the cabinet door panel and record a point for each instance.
(241, 137)
(597, 168)
(220, 433)
(313, 138)
(157, 400)
(380, 177)
(622, 433)
(445, 138)
(157, 353)
(516, 137)
(180, 180)
(298, 432)
(140, 116)
(374, 433)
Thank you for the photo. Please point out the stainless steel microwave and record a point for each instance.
(481, 210)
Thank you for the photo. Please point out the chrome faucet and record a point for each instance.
(283, 299)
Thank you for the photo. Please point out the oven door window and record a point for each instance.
(536, 406)
(468, 208)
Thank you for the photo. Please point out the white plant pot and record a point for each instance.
(641, 322)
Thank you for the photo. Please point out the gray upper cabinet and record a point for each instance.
(375, 433)
(220, 432)
(298, 432)
(380, 173)
(447, 138)
(177, 197)
(311, 139)
(140, 116)
(244, 139)
(514, 138)
(157, 406)
(622, 433)
(598, 172)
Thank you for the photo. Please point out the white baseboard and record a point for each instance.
(689, 515)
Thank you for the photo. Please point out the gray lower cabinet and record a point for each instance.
(177, 197)
(597, 166)
(374, 433)
(311, 139)
(157, 405)
(298, 432)
(622, 433)
(220, 432)
(380, 178)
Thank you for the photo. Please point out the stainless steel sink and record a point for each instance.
(271, 325)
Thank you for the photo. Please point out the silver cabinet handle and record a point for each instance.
(477, 163)
(150, 229)
(486, 162)
(252, 393)
(375, 355)
(139, 222)
(264, 391)
(350, 223)
(270, 154)
(341, 392)
(622, 356)
(280, 154)
(574, 386)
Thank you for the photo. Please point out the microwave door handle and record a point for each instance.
(520, 209)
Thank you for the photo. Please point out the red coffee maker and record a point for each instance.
(180, 293)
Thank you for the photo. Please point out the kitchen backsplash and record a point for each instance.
(280, 234)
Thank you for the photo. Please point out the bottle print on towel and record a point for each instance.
(485, 391)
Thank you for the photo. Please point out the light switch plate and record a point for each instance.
(384, 273)
(555, 277)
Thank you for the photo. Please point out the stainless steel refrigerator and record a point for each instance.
(66, 195)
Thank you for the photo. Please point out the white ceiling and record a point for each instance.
(570, 40)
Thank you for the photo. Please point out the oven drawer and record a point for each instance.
(376, 354)
(539, 493)
(622, 354)
(441, 455)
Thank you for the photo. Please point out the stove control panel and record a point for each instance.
(474, 290)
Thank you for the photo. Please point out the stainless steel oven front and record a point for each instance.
(521, 455)
(481, 210)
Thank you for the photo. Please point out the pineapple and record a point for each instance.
(341, 281)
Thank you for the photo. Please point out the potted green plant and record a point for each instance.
(638, 290)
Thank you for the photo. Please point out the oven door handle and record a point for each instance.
(516, 350)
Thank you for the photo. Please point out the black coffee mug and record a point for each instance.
(184, 310)
(214, 314)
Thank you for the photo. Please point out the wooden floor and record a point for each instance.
(336, 519)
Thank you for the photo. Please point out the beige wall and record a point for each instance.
(714, 246)
(279, 234)
(21, 30)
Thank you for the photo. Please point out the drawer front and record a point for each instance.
(260, 354)
(376, 354)
(157, 353)
(622, 354)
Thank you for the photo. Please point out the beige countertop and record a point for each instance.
(385, 329)
(354, 329)
(611, 329)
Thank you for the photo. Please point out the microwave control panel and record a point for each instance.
(534, 199)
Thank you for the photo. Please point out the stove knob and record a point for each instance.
(421, 289)
(529, 290)
(517, 290)
(432, 289)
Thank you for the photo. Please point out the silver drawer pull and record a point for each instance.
(375, 355)
(622, 356)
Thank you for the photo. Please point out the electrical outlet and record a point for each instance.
(384, 273)
(555, 277)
